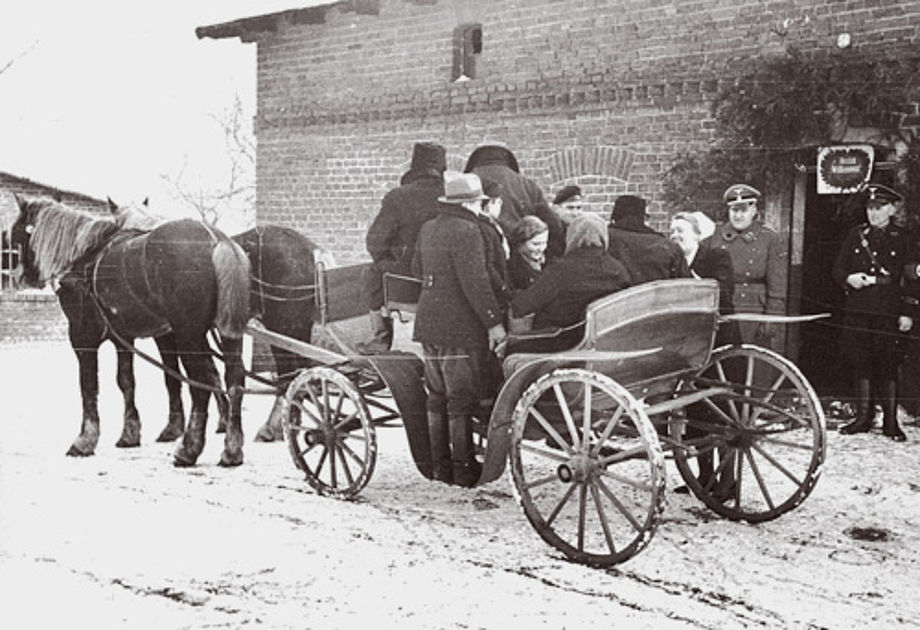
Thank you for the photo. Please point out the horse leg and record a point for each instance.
(131, 428)
(233, 365)
(193, 439)
(88, 359)
(286, 364)
(175, 424)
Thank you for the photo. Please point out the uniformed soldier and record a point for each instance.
(878, 308)
(759, 260)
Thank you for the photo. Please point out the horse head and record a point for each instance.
(20, 238)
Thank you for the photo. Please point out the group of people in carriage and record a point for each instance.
(494, 257)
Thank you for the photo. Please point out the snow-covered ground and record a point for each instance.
(124, 540)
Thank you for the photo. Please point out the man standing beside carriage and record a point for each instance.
(458, 322)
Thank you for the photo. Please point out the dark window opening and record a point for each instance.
(467, 47)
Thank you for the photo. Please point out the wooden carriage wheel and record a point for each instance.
(329, 432)
(586, 466)
(758, 451)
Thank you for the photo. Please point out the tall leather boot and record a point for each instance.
(381, 334)
(865, 411)
(439, 438)
(890, 425)
(462, 452)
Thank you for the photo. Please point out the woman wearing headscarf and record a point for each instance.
(559, 296)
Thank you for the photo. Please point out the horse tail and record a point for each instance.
(232, 268)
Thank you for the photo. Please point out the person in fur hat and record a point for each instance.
(391, 236)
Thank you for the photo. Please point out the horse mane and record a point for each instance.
(62, 235)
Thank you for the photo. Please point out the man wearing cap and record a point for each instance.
(458, 321)
(646, 254)
(391, 237)
(760, 264)
(521, 196)
(878, 308)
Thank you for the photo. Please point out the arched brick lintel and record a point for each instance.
(605, 160)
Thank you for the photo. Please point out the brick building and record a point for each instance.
(31, 314)
(599, 94)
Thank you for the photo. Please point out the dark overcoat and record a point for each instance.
(647, 254)
(871, 313)
(716, 263)
(392, 235)
(562, 292)
(457, 305)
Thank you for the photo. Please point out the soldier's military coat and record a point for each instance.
(760, 266)
(871, 339)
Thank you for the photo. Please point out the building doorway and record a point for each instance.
(827, 220)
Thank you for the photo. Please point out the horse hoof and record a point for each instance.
(183, 460)
(126, 443)
(169, 435)
(264, 435)
(228, 461)
(221, 429)
(73, 451)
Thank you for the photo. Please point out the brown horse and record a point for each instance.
(174, 282)
(282, 293)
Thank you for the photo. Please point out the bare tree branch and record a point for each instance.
(18, 57)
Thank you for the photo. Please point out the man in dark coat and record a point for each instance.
(458, 321)
(879, 307)
(521, 196)
(391, 237)
(647, 254)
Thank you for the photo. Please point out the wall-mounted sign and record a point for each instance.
(844, 168)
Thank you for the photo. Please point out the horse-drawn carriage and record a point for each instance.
(584, 431)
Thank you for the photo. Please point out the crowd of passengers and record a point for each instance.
(494, 256)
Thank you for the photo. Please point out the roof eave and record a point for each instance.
(250, 28)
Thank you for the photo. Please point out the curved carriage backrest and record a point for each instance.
(680, 316)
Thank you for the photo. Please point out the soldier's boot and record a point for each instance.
(890, 425)
(381, 334)
(864, 410)
(462, 452)
(439, 438)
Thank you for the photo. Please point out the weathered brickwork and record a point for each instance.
(346, 89)
(29, 316)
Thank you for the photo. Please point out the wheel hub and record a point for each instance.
(578, 469)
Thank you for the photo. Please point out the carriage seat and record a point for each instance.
(674, 321)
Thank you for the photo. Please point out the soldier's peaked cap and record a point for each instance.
(879, 194)
(738, 193)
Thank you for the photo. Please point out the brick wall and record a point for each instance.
(31, 316)
(601, 94)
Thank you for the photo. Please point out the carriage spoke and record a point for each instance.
(778, 466)
(731, 421)
(774, 389)
(739, 467)
(586, 422)
(541, 481)
(334, 481)
(553, 454)
(720, 371)
(565, 499)
(309, 448)
(341, 424)
(338, 407)
(622, 456)
(611, 425)
(602, 515)
(582, 507)
(619, 506)
(345, 468)
(325, 407)
(759, 478)
(347, 450)
(639, 485)
(322, 460)
(748, 391)
(567, 416)
(771, 440)
(549, 428)
(305, 411)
